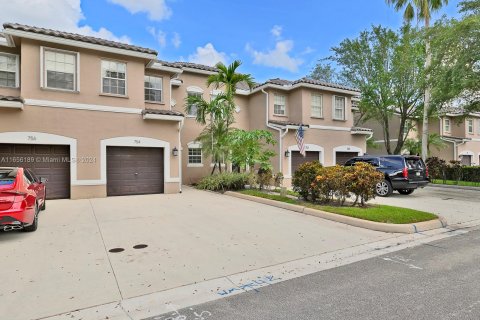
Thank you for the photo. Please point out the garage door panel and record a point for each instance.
(133, 170)
(342, 157)
(46, 161)
(298, 159)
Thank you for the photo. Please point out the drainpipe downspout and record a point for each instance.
(267, 113)
(180, 149)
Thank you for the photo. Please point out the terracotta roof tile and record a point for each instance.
(162, 112)
(11, 98)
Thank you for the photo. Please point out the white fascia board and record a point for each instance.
(161, 67)
(78, 44)
(162, 117)
(80, 106)
(193, 70)
(242, 92)
(176, 82)
(6, 40)
(314, 126)
(305, 85)
(11, 104)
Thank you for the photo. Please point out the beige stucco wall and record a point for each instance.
(89, 128)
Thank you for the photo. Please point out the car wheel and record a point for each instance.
(44, 205)
(34, 224)
(383, 188)
(406, 191)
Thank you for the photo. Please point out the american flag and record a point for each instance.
(299, 136)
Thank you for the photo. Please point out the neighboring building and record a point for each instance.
(100, 118)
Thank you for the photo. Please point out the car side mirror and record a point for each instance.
(43, 180)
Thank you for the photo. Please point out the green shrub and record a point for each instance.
(224, 181)
(362, 179)
(303, 179)
(264, 178)
(436, 167)
(278, 179)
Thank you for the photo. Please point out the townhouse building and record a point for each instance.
(100, 118)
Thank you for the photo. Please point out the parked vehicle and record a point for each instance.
(22, 196)
(402, 173)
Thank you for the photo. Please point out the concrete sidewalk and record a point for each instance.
(191, 237)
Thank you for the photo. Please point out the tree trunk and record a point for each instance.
(386, 134)
(426, 103)
(401, 135)
(213, 170)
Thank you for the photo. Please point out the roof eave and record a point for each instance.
(79, 44)
(150, 116)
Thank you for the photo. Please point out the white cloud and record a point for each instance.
(156, 10)
(277, 31)
(176, 41)
(278, 57)
(308, 50)
(60, 15)
(208, 55)
(159, 35)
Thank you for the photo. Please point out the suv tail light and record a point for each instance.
(426, 172)
(405, 172)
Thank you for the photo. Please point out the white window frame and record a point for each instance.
(275, 95)
(193, 90)
(321, 105)
(470, 121)
(478, 126)
(445, 125)
(194, 145)
(145, 88)
(126, 78)
(334, 97)
(17, 69)
(43, 70)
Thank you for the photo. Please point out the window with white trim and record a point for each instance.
(60, 69)
(194, 155)
(446, 125)
(470, 126)
(279, 105)
(192, 112)
(153, 88)
(339, 108)
(114, 75)
(8, 70)
(478, 126)
(317, 106)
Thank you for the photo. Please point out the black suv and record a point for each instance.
(402, 173)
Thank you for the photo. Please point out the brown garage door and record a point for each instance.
(342, 157)
(132, 170)
(47, 161)
(298, 159)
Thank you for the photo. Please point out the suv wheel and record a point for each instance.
(384, 188)
(406, 191)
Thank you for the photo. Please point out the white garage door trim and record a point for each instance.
(308, 147)
(32, 137)
(466, 153)
(345, 148)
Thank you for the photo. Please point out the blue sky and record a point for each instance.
(273, 38)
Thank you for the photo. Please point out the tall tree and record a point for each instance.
(324, 72)
(387, 68)
(455, 71)
(422, 9)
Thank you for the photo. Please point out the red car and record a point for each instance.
(22, 196)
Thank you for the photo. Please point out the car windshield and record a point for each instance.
(7, 176)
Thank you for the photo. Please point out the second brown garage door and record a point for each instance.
(132, 170)
(46, 161)
(298, 159)
(342, 157)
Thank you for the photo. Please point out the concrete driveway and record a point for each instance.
(456, 205)
(191, 237)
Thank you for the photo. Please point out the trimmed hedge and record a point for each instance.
(224, 181)
(441, 170)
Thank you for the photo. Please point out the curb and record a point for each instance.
(446, 186)
(372, 225)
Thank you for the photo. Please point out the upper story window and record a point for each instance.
(446, 125)
(478, 126)
(153, 88)
(339, 108)
(317, 106)
(60, 69)
(9, 70)
(195, 155)
(193, 108)
(279, 105)
(114, 75)
(470, 126)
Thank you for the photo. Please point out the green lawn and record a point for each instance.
(456, 183)
(289, 192)
(377, 213)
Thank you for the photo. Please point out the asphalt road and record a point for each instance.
(438, 280)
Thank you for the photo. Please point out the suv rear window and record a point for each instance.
(392, 162)
(414, 163)
(7, 176)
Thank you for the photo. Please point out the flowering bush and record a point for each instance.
(363, 178)
(303, 179)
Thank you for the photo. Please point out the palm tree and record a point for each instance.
(422, 9)
(228, 77)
